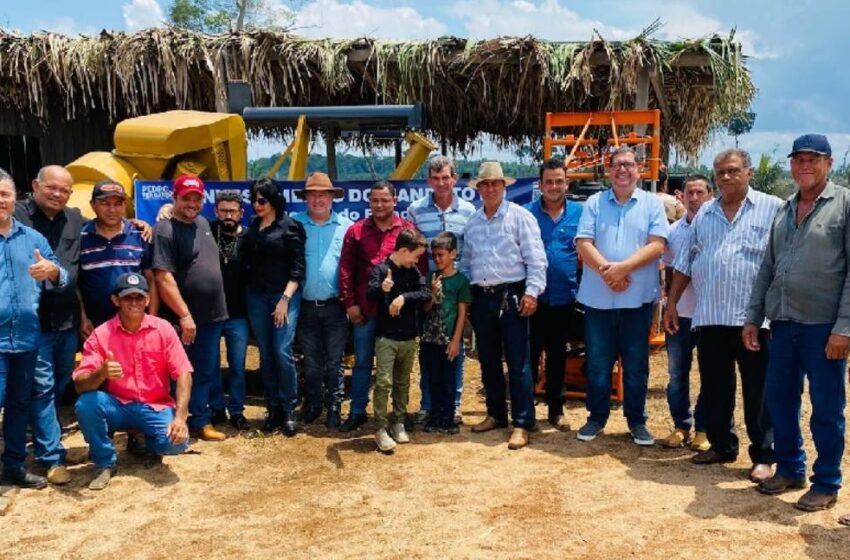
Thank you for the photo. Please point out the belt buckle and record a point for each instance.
(321, 302)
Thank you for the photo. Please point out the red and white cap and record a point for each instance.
(186, 184)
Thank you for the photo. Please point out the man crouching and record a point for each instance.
(124, 381)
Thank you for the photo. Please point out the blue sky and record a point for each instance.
(797, 49)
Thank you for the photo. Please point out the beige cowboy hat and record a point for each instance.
(318, 181)
(489, 171)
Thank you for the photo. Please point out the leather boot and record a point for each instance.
(272, 422)
(288, 423)
(333, 419)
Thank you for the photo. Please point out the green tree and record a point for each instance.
(767, 175)
(223, 16)
(740, 123)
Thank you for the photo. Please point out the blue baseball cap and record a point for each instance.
(814, 143)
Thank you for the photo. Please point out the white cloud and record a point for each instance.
(776, 144)
(141, 14)
(331, 18)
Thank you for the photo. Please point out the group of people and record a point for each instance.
(732, 263)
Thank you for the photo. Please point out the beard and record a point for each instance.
(229, 226)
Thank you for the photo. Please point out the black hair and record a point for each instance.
(551, 163)
(410, 239)
(230, 195)
(270, 190)
(696, 177)
(382, 185)
(444, 240)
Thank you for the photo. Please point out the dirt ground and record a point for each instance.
(324, 495)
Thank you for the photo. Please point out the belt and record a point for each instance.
(499, 288)
(320, 302)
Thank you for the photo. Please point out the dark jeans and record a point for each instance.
(56, 352)
(720, 348)
(610, 333)
(441, 381)
(236, 333)
(680, 355)
(550, 328)
(501, 331)
(204, 354)
(16, 374)
(322, 332)
(425, 384)
(796, 351)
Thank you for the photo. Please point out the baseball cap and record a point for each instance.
(130, 283)
(186, 184)
(815, 143)
(107, 188)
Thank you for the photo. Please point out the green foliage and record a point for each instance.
(740, 123)
(767, 175)
(221, 16)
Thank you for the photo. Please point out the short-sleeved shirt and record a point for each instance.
(189, 252)
(103, 260)
(441, 320)
(430, 219)
(322, 251)
(679, 232)
(151, 358)
(618, 231)
(559, 240)
(230, 257)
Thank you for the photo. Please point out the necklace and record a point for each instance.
(227, 249)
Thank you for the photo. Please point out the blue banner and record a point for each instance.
(151, 195)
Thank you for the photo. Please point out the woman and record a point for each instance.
(274, 257)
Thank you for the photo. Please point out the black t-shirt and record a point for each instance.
(230, 249)
(189, 252)
(275, 255)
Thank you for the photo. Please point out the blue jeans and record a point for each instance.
(323, 332)
(610, 333)
(204, 355)
(797, 350)
(16, 376)
(361, 374)
(442, 377)
(501, 331)
(100, 413)
(425, 374)
(680, 354)
(277, 363)
(236, 333)
(56, 353)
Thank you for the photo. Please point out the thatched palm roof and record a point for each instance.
(501, 87)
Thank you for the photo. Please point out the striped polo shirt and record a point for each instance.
(430, 219)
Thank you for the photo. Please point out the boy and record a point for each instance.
(399, 289)
(442, 335)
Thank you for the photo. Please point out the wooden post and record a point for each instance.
(641, 104)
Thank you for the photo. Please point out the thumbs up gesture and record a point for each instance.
(42, 269)
(113, 368)
(387, 284)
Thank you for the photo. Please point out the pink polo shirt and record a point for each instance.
(150, 357)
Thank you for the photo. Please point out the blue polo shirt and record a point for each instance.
(322, 251)
(102, 261)
(560, 245)
(618, 231)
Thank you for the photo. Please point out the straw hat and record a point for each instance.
(318, 181)
(490, 170)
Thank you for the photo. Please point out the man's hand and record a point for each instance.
(622, 285)
(113, 368)
(388, 283)
(355, 315)
(452, 350)
(42, 269)
(436, 284)
(527, 306)
(837, 347)
(396, 305)
(178, 431)
(750, 337)
(671, 319)
(86, 327)
(614, 272)
(281, 311)
(188, 330)
(144, 227)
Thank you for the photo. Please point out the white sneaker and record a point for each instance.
(399, 434)
(384, 441)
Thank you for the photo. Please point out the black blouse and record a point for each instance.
(275, 255)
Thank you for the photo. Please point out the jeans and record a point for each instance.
(720, 348)
(610, 333)
(56, 353)
(797, 350)
(501, 331)
(393, 362)
(204, 355)
(361, 374)
(277, 362)
(424, 383)
(100, 413)
(680, 354)
(236, 333)
(16, 374)
(442, 380)
(322, 333)
(550, 328)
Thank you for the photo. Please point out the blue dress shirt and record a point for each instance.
(559, 240)
(322, 250)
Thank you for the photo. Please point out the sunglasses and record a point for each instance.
(261, 201)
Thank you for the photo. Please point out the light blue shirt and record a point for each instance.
(504, 249)
(322, 250)
(558, 236)
(430, 219)
(723, 258)
(680, 231)
(618, 231)
(19, 292)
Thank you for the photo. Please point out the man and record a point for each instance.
(550, 325)
(122, 388)
(109, 247)
(804, 290)
(229, 237)
(681, 344)
(366, 243)
(322, 327)
(440, 211)
(59, 311)
(621, 236)
(188, 277)
(29, 266)
(505, 261)
(721, 257)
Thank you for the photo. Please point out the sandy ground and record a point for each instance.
(321, 495)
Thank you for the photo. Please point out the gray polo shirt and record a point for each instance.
(803, 276)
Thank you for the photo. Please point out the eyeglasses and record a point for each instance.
(229, 212)
(261, 201)
(624, 165)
